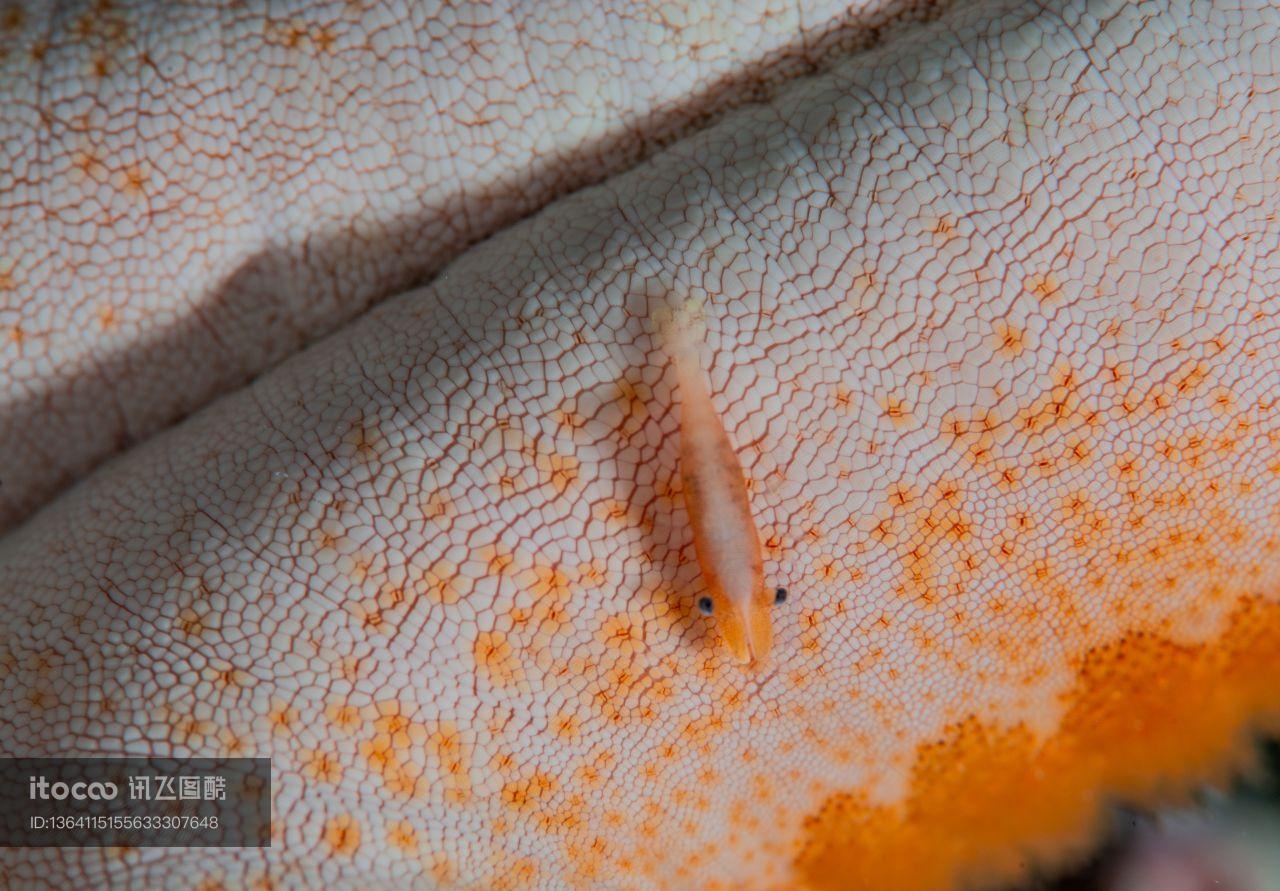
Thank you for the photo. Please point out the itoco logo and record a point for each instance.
(40, 788)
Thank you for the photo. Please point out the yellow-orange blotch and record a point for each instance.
(982, 797)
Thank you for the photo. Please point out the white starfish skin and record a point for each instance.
(190, 192)
(435, 566)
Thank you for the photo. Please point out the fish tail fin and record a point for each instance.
(682, 329)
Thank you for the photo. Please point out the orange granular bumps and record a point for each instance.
(1146, 719)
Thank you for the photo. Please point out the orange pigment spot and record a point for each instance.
(620, 514)
(132, 179)
(89, 165)
(282, 717)
(1044, 286)
(107, 318)
(392, 751)
(546, 581)
(632, 403)
(495, 557)
(401, 835)
(592, 573)
(1009, 340)
(521, 873)
(623, 634)
(343, 716)
(1054, 408)
(1008, 475)
(321, 766)
(495, 658)
(527, 793)
(441, 583)
(900, 495)
(364, 440)
(569, 418)
(189, 622)
(438, 506)
(566, 726)
(556, 470)
(452, 759)
(1146, 719)
(342, 834)
(897, 410)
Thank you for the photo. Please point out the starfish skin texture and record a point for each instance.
(192, 191)
(991, 322)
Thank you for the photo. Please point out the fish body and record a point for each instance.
(725, 536)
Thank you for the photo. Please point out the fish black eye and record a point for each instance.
(704, 605)
(780, 595)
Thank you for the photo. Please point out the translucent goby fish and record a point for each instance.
(725, 537)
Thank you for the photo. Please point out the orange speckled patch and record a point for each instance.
(528, 793)
(451, 756)
(1145, 717)
(391, 750)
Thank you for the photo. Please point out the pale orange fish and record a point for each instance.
(725, 537)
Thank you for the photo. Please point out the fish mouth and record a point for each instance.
(742, 651)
